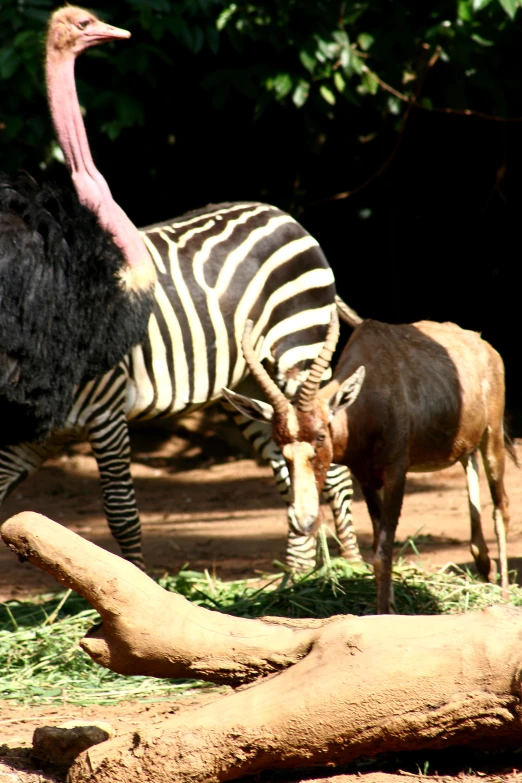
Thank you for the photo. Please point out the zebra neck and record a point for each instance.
(91, 187)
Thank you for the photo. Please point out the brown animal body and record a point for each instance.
(430, 392)
(433, 394)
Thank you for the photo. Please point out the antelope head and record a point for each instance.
(302, 428)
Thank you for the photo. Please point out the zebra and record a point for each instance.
(216, 267)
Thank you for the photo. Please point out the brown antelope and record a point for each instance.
(433, 395)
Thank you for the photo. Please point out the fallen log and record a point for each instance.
(145, 629)
(318, 692)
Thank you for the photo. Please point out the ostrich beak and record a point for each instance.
(100, 32)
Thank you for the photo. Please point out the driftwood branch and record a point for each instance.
(338, 689)
(145, 629)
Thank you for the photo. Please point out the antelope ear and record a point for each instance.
(252, 409)
(348, 392)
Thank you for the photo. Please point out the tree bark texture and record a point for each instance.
(316, 692)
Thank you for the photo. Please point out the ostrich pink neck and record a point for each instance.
(91, 187)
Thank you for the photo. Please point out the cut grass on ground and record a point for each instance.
(41, 661)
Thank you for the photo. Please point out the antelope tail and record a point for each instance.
(510, 448)
(346, 313)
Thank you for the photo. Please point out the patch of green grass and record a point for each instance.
(41, 662)
(340, 587)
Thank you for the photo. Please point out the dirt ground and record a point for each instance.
(205, 508)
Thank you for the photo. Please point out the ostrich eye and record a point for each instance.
(83, 24)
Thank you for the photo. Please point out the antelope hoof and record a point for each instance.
(492, 577)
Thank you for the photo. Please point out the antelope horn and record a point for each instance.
(273, 393)
(310, 387)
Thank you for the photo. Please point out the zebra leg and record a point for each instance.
(17, 462)
(109, 438)
(338, 492)
(301, 551)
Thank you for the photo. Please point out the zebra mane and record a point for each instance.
(64, 316)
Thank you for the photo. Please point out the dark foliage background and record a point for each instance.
(413, 109)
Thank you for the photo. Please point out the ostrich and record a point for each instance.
(76, 280)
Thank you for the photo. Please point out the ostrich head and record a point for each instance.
(73, 29)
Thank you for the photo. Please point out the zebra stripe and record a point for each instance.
(301, 551)
(216, 268)
(194, 304)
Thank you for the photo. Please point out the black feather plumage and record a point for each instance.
(64, 315)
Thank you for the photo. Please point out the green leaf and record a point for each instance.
(42, 17)
(346, 58)
(327, 94)
(13, 127)
(341, 37)
(57, 153)
(339, 82)
(464, 10)
(301, 93)
(394, 105)
(328, 49)
(509, 6)
(282, 84)
(364, 41)
(481, 41)
(225, 16)
(370, 82)
(157, 28)
(25, 38)
(307, 60)
(357, 64)
(212, 39)
(198, 39)
(9, 62)
(478, 5)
